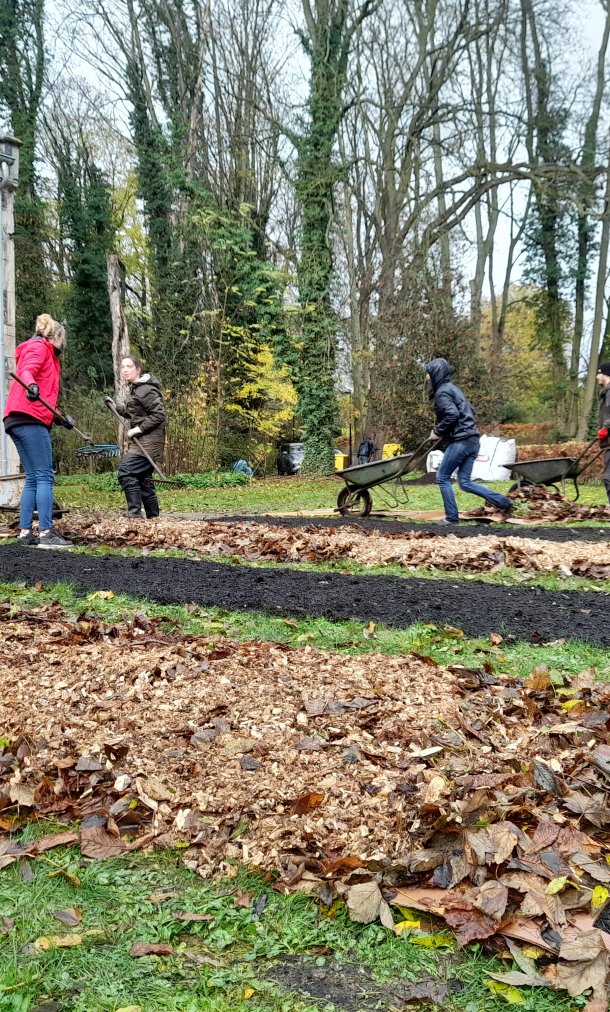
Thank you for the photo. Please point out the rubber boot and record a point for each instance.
(134, 498)
(149, 498)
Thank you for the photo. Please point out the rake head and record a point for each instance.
(98, 451)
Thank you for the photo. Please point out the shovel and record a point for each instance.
(56, 414)
(166, 481)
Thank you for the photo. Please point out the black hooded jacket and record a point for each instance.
(144, 408)
(604, 408)
(454, 413)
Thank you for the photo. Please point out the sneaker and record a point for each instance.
(28, 539)
(450, 523)
(53, 540)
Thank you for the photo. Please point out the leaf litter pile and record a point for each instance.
(256, 542)
(392, 783)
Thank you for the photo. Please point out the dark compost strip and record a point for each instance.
(467, 529)
(528, 613)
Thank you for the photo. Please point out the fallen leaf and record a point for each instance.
(365, 903)
(599, 897)
(101, 595)
(150, 949)
(97, 843)
(71, 917)
(577, 978)
(492, 899)
(243, 899)
(249, 992)
(21, 795)
(313, 799)
(52, 840)
(46, 942)
(506, 991)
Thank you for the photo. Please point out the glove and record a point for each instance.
(108, 401)
(66, 421)
(602, 434)
(136, 431)
(33, 392)
(433, 435)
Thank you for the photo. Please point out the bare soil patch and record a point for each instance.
(528, 613)
(595, 535)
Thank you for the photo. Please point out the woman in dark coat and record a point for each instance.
(144, 412)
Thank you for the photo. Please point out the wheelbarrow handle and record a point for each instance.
(122, 422)
(57, 414)
(586, 450)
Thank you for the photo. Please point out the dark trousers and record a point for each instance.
(606, 474)
(135, 478)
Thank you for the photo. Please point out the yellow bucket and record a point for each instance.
(390, 450)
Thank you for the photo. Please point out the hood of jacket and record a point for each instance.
(439, 372)
(146, 379)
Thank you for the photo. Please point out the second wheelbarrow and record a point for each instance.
(355, 499)
(553, 470)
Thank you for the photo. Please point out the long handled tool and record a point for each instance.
(57, 414)
(135, 440)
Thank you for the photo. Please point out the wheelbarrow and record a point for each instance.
(355, 499)
(556, 469)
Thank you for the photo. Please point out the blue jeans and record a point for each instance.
(33, 444)
(461, 456)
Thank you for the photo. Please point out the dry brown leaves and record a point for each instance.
(547, 504)
(381, 779)
(273, 543)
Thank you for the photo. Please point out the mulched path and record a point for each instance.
(463, 530)
(528, 613)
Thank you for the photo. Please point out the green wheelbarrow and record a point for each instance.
(355, 500)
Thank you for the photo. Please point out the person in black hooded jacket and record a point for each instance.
(144, 412)
(455, 425)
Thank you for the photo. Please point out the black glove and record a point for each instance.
(33, 392)
(108, 401)
(66, 421)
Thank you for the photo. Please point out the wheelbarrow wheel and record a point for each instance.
(354, 502)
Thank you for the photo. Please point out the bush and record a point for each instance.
(208, 479)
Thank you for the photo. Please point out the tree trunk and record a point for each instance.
(120, 337)
(589, 391)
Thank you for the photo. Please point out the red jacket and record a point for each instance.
(36, 363)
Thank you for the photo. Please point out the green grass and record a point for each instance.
(215, 965)
(270, 494)
(447, 646)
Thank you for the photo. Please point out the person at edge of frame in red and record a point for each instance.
(603, 378)
(28, 423)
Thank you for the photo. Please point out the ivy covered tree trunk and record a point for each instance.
(330, 28)
(21, 84)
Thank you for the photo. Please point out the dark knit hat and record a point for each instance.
(604, 368)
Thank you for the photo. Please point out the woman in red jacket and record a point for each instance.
(28, 423)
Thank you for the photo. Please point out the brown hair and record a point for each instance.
(45, 325)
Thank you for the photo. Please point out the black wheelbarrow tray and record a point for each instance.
(551, 471)
(355, 499)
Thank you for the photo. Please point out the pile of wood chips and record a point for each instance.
(458, 792)
(256, 542)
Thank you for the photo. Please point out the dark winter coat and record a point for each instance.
(604, 408)
(454, 413)
(144, 408)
